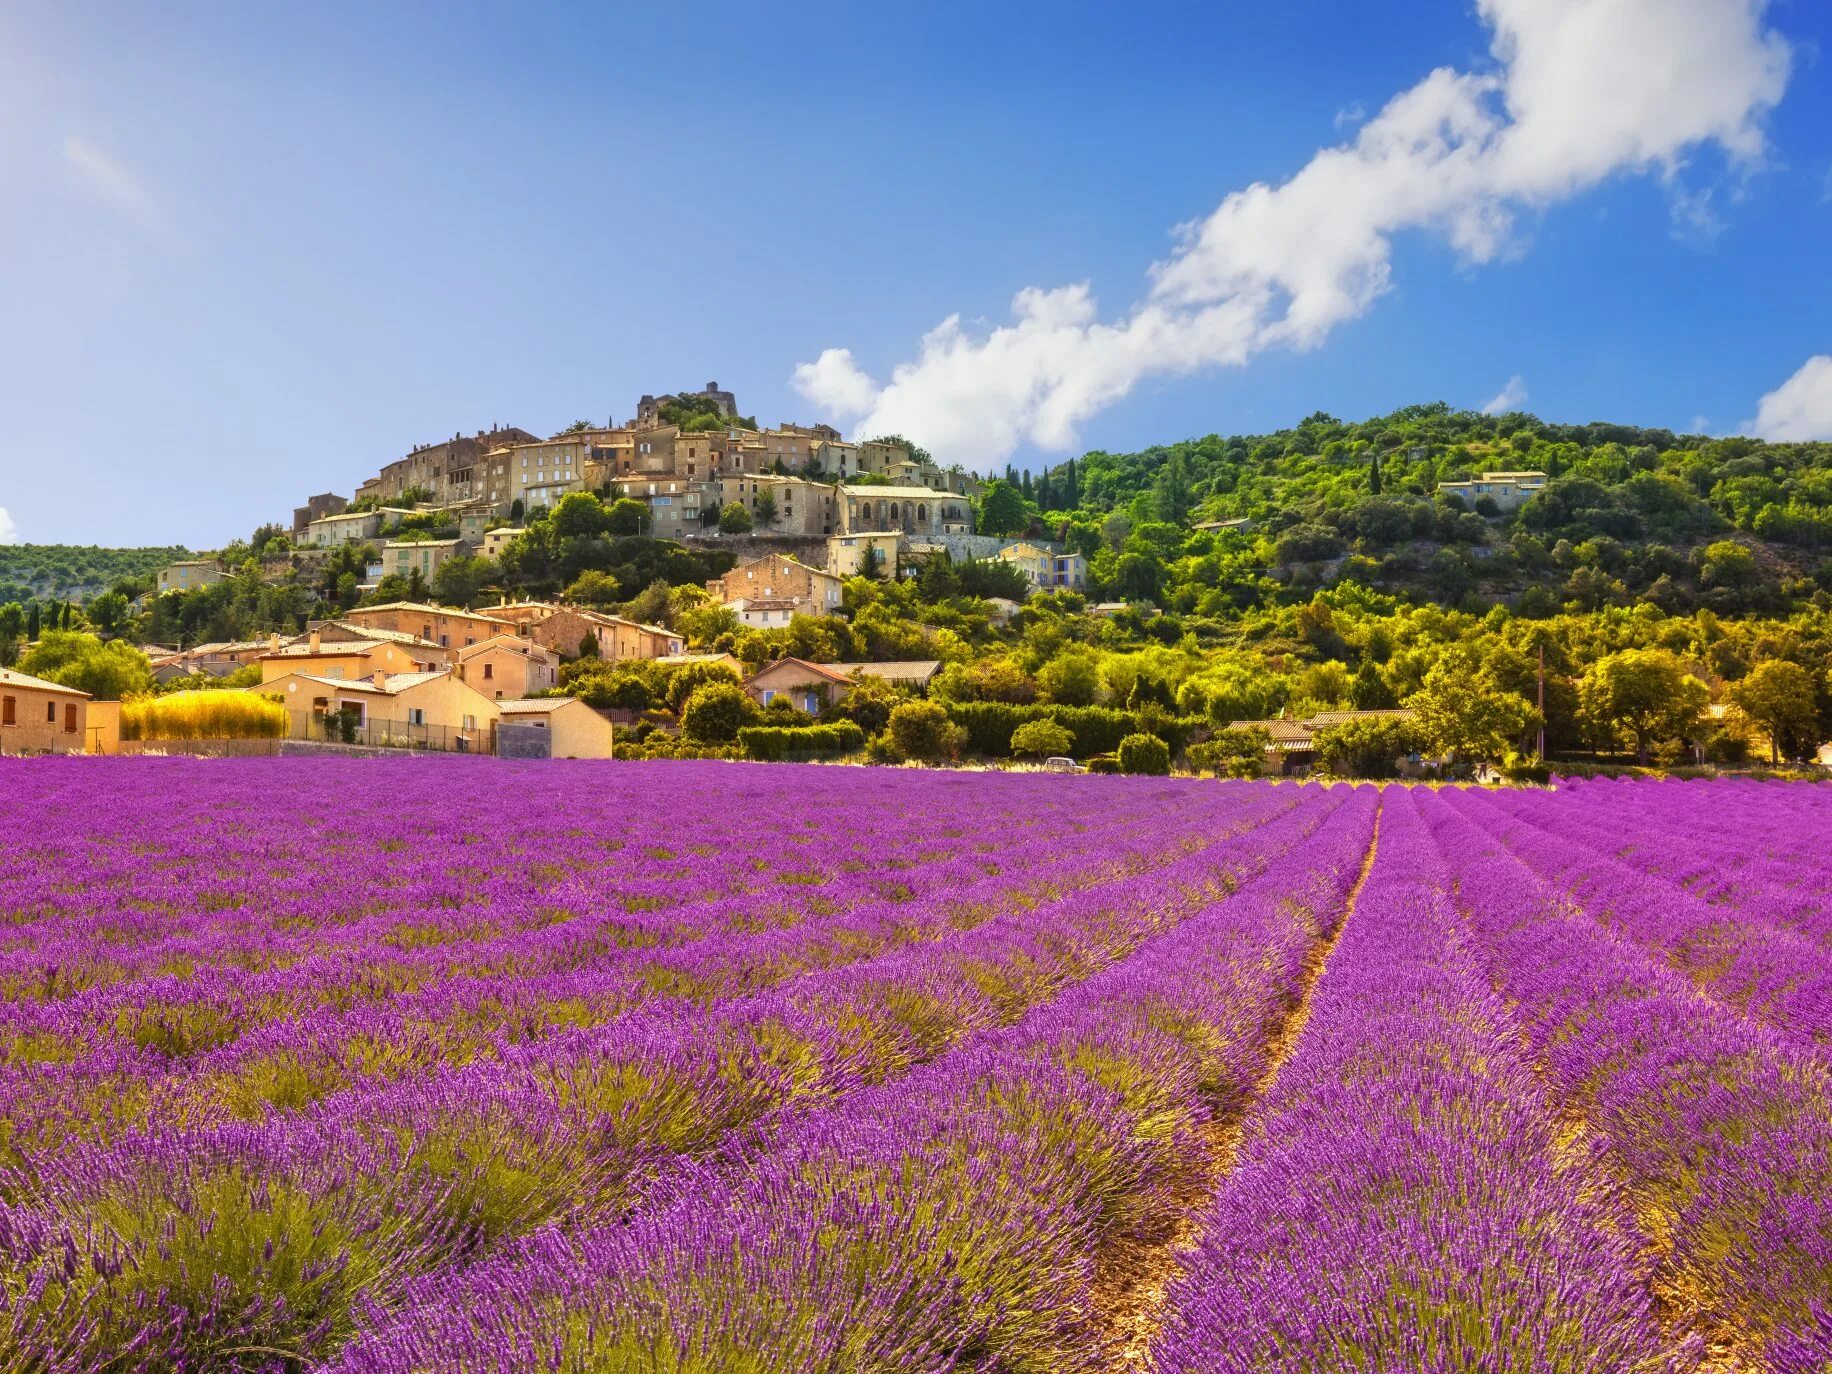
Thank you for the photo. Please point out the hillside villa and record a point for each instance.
(1508, 490)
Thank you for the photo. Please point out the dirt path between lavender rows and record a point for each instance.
(1133, 1307)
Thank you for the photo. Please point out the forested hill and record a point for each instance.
(74, 572)
(1630, 513)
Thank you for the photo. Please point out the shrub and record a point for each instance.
(1094, 729)
(921, 730)
(774, 743)
(1103, 763)
(1144, 754)
(203, 715)
(1233, 753)
(1041, 739)
(715, 712)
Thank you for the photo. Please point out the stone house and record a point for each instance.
(39, 717)
(189, 575)
(578, 732)
(777, 577)
(508, 666)
(446, 626)
(427, 709)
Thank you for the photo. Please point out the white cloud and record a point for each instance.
(1510, 397)
(1582, 90)
(1350, 115)
(1800, 409)
(838, 381)
(9, 532)
(110, 182)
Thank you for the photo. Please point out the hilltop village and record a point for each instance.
(1434, 591)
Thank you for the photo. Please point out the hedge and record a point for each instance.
(774, 743)
(1096, 729)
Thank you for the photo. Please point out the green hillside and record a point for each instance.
(74, 572)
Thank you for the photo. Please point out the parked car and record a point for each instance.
(1062, 765)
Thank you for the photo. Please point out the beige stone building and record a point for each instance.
(39, 717)
(452, 470)
(777, 577)
(447, 626)
(404, 557)
(578, 731)
(677, 506)
(432, 710)
(1508, 490)
(349, 657)
(849, 554)
(189, 575)
(913, 510)
(508, 666)
(351, 527)
(495, 541)
(795, 505)
(1045, 568)
(563, 628)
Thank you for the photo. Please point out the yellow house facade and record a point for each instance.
(578, 731)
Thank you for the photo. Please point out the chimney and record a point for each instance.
(313, 644)
(381, 679)
(273, 641)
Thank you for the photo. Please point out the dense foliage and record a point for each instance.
(71, 572)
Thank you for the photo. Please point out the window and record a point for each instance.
(7, 707)
(50, 713)
(489, 670)
(70, 718)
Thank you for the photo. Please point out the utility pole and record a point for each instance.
(1542, 701)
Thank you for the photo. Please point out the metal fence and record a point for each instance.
(343, 727)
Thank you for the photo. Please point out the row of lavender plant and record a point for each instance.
(264, 1061)
(971, 1215)
(1400, 1201)
(418, 1175)
(1718, 1129)
(1773, 975)
(1752, 847)
(413, 903)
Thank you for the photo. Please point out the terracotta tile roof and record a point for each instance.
(25, 681)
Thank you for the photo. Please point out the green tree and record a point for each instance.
(869, 704)
(766, 510)
(460, 581)
(1467, 715)
(1778, 696)
(716, 711)
(1640, 695)
(1070, 679)
(921, 731)
(1144, 754)
(1040, 739)
(107, 671)
(595, 588)
(1369, 747)
(626, 517)
(1002, 509)
(109, 614)
(735, 519)
(687, 679)
(580, 515)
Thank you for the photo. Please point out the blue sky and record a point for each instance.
(253, 252)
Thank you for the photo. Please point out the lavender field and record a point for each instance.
(362, 1067)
